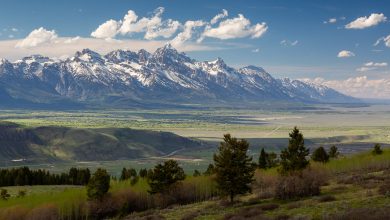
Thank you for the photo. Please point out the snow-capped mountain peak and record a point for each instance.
(164, 76)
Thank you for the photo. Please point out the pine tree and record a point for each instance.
(233, 167)
(263, 159)
(98, 184)
(143, 173)
(210, 170)
(377, 149)
(164, 177)
(333, 152)
(294, 156)
(196, 173)
(320, 155)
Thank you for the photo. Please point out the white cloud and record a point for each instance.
(11, 36)
(371, 66)
(153, 27)
(288, 43)
(72, 40)
(219, 16)
(331, 21)
(14, 30)
(37, 37)
(187, 33)
(360, 86)
(256, 50)
(386, 41)
(238, 27)
(107, 30)
(345, 53)
(365, 22)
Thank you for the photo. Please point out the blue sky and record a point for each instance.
(298, 39)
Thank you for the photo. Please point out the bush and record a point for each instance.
(362, 214)
(333, 152)
(326, 198)
(300, 184)
(4, 195)
(320, 155)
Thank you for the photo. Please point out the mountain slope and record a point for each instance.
(44, 144)
(166, 76)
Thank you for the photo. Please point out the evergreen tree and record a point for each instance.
(294, 156)
(263, 159)
(320, 155)
(143, 173)
(98, 184)
(4, 195)
(333, 152)
(196, 173)
(233, 167)
(164, 177)
(272, 160)
(377, 149)
(210, 170)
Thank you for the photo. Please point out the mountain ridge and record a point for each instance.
(165, 76)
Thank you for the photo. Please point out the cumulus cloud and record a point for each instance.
(360, 86)
(288, 43)
(219, 16)
(72, 40)
(37, 37)
(153, 26)
(345, 53)
(187, 33)
(237, 27)
(366, 22)
(107, 30)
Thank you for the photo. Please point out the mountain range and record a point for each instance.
(126, 78)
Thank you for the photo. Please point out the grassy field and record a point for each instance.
(350, 129)
(353, 184)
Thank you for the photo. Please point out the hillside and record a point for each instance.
(73, 144)
(129, 79)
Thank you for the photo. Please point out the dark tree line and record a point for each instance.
(24, 176)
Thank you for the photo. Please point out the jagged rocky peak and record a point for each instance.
(218, 62)
(36, 59)
(143, 56)
(119, 56)
(88, 55)
(167, 53)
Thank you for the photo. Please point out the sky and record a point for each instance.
(342, 44)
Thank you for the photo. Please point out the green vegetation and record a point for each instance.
(98, 185)
(293, 158)
(333, 152)
(377, 149)
(234, 169)
(320, 155)
(164, 177)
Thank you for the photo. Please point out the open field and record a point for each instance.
(351, 129)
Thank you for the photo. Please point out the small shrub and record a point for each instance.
(300, 184)
(4, 195)
(362, 214)
(246, 213)
(269, 207)
(13, 213)
(191, 215)
(22, 193)
(384, 189)
(326, 198)
(294, 205)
